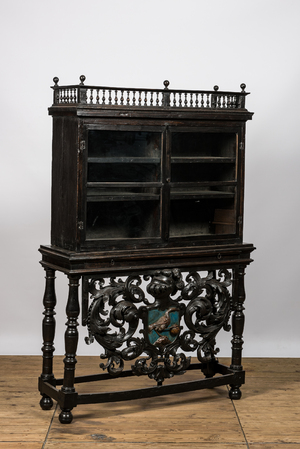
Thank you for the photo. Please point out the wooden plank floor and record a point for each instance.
(267, 416)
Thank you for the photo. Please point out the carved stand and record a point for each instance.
(181, 312)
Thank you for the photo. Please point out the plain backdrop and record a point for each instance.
(195, 44)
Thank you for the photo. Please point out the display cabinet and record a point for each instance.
(147, 214)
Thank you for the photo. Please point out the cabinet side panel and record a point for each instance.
(64, 182)
(241, 181)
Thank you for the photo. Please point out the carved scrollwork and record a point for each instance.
(123, 314)
(203, 304)
(132, 290)
(114, 365)
(161, 368)
(206, 315)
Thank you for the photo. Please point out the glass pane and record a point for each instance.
(195, 217)
(196, 144)
(123, 172)
(122, 219)
(196, 172)
(124, 156)
(124, 144)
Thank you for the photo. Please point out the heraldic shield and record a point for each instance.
(163, 317)
(163, 326)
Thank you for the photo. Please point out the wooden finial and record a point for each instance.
(82, 79)
(55, 80)
(243, 87)
(166, 84)
(216, 88)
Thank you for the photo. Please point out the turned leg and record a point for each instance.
(238, 321)
(71, 341)
(49, 303)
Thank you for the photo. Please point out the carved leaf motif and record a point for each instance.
(134, 348)
(132, 290)
(123, 312)
(201, 307)
(193, 287)
(188, 341)
(93, 283)
(114, 365)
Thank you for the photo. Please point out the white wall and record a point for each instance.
(195, 44)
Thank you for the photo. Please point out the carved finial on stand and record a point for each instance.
(82, 79)
(243, 87)
(55, 80)
(166, 84)
(216, 88)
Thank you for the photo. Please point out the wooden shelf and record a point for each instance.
(197, 185)
(124, 196)
(200, 194)
(121, 185)
(202, 160)
(124, 160)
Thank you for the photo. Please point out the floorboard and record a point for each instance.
(267, 416)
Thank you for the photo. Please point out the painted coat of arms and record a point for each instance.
(163, 317)
(163, 326)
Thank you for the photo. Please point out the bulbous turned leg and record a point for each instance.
(235, 392)
(65, 417)
(46, 403)
(71, 341)
(49, 302)
(238, 321)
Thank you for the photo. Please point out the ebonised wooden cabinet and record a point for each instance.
(147, 185)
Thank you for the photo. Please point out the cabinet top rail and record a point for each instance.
(103, 96)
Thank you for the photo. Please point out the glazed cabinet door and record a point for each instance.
(203, 183)
(122, 180)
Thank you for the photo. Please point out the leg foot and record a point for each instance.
(46, 403)
(65, 417)
(235, 393)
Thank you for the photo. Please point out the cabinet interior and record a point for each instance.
(141, 182)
